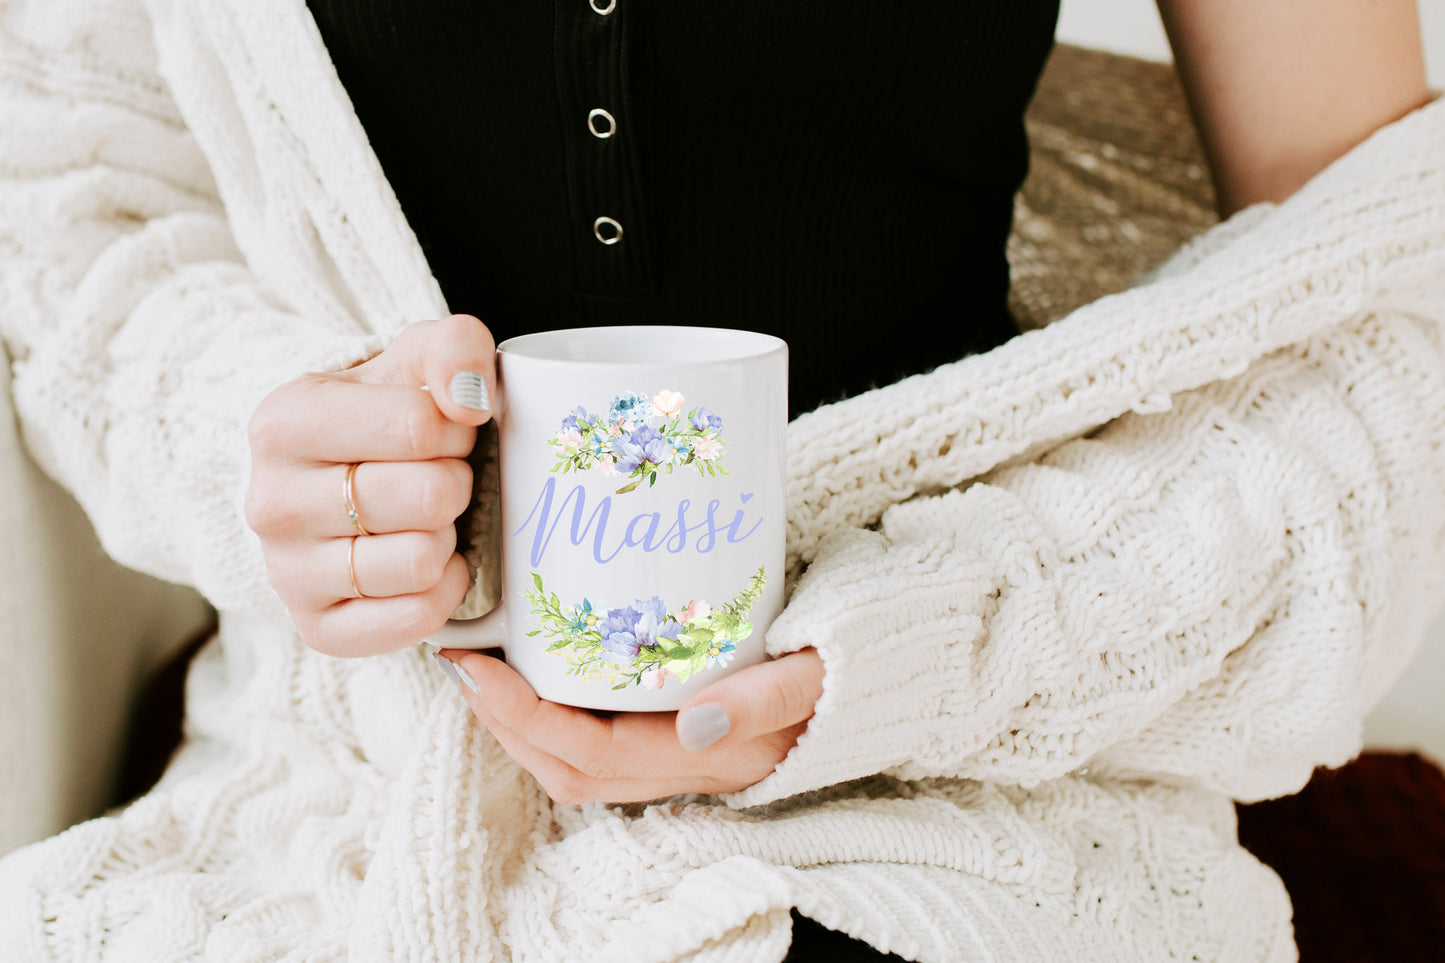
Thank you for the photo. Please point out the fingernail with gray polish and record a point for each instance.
(701, 726)
(448, 670)
(467, 680)
(469, 389)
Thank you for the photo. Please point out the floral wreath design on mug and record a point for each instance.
(638, 438)
(644, 643)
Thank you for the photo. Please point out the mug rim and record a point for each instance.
(562, 345)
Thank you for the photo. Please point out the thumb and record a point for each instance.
(753, 702)
(454, 359)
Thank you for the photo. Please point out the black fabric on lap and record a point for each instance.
(835, 172)
(815, 943)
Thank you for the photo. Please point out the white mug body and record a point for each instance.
(643, 515)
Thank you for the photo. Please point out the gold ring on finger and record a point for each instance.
(351, 568)
(348, 492)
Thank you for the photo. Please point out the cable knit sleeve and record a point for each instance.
(1213, 586)
(140, 340)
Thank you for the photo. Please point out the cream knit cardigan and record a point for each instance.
(1073, 595)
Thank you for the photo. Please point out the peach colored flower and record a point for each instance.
(667, 403)
(696, 609)
(609, 466)
(654, 678)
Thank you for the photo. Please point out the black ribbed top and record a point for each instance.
(839, 173)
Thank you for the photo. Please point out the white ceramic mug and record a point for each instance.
(643, 523)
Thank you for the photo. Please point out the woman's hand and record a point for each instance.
(729, 736)
(411, 483)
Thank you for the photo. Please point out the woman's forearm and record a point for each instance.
(1280, 88)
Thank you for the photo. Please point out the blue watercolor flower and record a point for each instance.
(720, 654)
(705, 418)
(578, 623)
(631, 405)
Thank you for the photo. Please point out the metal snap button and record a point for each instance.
(607, 126)
(604, 8)
(606, 230)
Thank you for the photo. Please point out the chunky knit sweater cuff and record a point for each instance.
(1195, 594)
(1211, 581)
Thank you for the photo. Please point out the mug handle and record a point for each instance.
(487, 632)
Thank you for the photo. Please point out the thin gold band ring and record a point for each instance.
(348, 492)
(351, 568)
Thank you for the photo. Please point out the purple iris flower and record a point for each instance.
(577, 418)
(643, 444)
(619, 635)
(706, 418)
(625, 631)
(652, 623)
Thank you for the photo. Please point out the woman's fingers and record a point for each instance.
(565, 783)
(377, 410)
(400, 563)
(389, 497)
(460, 366)
(628, 745)
(401, 496)
(769, 697)
(406, 420)
(565, 731)
(455, 358)
(328, 419)
(576, 756)
(373, 626)
(579, 756)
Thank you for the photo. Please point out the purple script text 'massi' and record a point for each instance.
(644, 531)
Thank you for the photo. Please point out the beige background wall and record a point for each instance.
(1132, 27)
